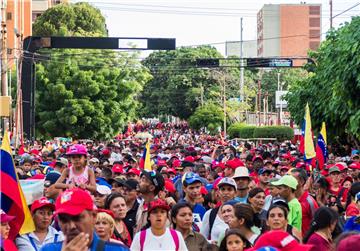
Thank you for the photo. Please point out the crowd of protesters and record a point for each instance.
(202, 192)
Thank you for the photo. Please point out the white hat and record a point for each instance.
(206, 159)
(227, 181)
(94, 160)
(102, 189)
(241, 172)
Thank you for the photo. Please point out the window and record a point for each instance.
(314, 10)
(314, 21)
(9, 16)
(315, 34)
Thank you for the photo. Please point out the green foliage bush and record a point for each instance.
(281, 133)
(233, 130)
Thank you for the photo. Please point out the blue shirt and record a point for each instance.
(351, 225)
(108, 246)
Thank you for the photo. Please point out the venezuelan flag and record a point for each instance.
(12, 198)
(309, 150)
(145, 162)
(321, 150)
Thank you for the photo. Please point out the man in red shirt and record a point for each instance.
(307, 202)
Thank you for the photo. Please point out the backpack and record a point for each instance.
(212, 217)
(173, 234)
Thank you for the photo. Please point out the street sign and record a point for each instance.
(269, 62)
(279, 99)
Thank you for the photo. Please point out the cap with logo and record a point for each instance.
(42, 202)
(77, 149)
(158, 203)
(73, 202)
(227, 181)
(286, 180)
(155, 178)
(103, 190)
(190, 178)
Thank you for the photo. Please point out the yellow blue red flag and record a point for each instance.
(145, 162)
(309, 149)
(321, 148)
(12, 198)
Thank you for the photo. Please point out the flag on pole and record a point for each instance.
(321, 150)
(145, 162)
(309, 150)
(12, 198)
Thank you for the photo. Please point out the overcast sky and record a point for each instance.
(195, 22)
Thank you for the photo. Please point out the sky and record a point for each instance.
(198, 22)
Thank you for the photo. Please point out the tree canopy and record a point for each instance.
(332, 90)
(179, 87)
(84, 93)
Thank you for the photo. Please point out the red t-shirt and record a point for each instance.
(9, 245)
(306, 211)
(319, 243)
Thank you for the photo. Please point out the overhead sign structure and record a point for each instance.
(32, 44)
(269, 62)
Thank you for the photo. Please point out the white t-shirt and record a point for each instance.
(154, 243)
(219, 227)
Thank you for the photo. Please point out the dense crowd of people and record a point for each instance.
(201, 192)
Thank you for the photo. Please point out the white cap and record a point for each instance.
(102, 189)
(94, 160)
(206, 159)
(227, 181)
(241, 172)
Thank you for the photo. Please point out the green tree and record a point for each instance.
(84, 93)
(209, 116)
(332, 90)
(179, 87)
(80, 19)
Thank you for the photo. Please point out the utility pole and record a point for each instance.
(259, 100)
(331, 13)
(224, 102)
(201, 95)
(4, 80)
(278, 84)
(241, 89)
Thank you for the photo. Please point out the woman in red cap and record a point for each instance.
(42, 214)
(6, 244)
(158, 236)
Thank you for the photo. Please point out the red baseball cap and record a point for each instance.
(158, 203)
(74, 202)
(118, 168)
(134, 171)
(281, 240)
(350, 243)
(354, 165)
(169, 186)
(189, 159)
(234, 163)
(171, 170)
(42, 202)
(161, 162)
(4, 217)
(176, 163)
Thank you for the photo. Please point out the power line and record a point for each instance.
(346, 10)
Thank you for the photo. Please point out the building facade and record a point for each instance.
(288, 30)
